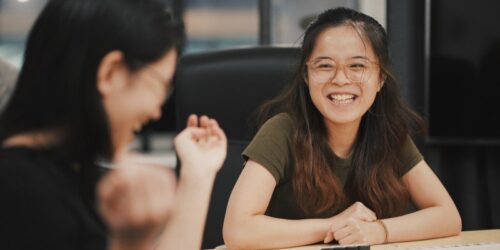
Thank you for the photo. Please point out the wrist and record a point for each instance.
(200, 180)
(196, 172)
(384, 233)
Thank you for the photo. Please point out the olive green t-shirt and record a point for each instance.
(272, 148)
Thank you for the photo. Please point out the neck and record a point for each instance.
(342, 137)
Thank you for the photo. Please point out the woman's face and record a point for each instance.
(342, 75)
(139, 99)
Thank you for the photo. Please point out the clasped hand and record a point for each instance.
(355, 225)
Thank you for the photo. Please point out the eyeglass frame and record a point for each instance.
(339, 66)
(157, 77)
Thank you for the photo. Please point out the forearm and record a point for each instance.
(432, 222)
(185, 227)
(264, 232)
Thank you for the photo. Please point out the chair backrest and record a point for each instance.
(230, 85)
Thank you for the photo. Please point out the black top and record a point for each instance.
(42, 205)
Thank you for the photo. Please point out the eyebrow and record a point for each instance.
(360, 57)
(354, 57)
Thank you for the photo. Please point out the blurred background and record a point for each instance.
(446, 54)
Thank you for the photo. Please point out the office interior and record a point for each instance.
(468, 165)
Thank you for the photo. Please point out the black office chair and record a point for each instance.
(230, 85)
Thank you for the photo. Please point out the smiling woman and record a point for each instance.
(94, 72)
(334, 159)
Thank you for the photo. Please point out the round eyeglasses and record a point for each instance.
(324, 70)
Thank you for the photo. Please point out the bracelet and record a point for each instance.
(385, 230)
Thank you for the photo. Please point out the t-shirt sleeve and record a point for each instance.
(270, 146)
(410, 156)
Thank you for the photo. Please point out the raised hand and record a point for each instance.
(135, 201)
(201, 147)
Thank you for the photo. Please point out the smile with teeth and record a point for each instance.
(342, 98)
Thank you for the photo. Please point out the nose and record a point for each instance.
(340, 78)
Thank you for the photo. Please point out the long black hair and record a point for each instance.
(57, 88)
(383, 131)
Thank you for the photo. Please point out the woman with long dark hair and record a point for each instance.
(334, 160)
(94, 72)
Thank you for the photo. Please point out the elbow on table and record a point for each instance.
(454, 222)
(234, 238)
(457, 225)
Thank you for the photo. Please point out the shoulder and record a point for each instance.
(410, 156)
(276, 131)
(271, 145)
(281, 122)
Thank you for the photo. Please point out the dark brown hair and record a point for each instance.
(376, 168)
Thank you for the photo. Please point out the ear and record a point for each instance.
(382, 78)
(112, 72)
(305, 76)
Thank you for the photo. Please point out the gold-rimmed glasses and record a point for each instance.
(323, 69)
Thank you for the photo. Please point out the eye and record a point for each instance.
(357, 66)
(324, 65)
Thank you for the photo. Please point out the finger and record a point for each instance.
(204, 121)
(350, 239)
(368, 217)
(342, 233)
(191, 132)
(328, 237)
(192, 121)
(216, 130)
(338, 225)
(371, 216)
(196, 133)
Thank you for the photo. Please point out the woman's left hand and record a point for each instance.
(354, 231)
(135, 200)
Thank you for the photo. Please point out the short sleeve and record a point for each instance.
(271, 146)
(410, 156)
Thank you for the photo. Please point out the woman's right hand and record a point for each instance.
(201, 147)
(357, 211)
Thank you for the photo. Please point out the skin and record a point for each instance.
(247, 227)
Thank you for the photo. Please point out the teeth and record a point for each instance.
(341, 97)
